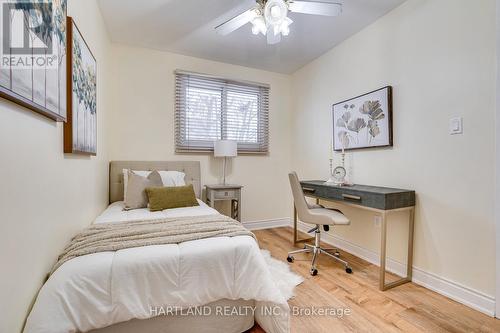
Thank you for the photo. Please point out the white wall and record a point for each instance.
(440, 58)
(497, 164)
(143, 125)
(438, 55)
(45, 196)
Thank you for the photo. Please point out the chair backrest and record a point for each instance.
(298, 196)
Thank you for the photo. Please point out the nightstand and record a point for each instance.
(226, 192)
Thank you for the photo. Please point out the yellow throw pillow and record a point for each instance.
(161, 198)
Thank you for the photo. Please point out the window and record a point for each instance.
(209, 109)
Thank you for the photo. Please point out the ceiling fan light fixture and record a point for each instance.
(275, 11)
(259, 25)
(275, 17)
(285, 26)
(270, 17)
(285, 31)
(276, 29)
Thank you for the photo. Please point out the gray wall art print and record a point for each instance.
(364, 121)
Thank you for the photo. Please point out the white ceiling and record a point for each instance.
(187, 27)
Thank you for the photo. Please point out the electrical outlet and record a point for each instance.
(377, 221)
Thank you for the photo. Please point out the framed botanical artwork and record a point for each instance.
(364, 121)
(33, 55)
(80, 130)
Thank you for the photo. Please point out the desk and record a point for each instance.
(381, 200)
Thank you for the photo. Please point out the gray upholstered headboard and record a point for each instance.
(190, 168)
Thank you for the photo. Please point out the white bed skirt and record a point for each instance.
(212, 323)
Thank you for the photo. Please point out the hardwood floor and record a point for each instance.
(407, 308)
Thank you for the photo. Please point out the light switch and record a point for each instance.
(456, 126)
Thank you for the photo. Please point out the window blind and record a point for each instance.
(209, 109)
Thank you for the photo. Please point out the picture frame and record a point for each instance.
(39, 85)
(80, 129)
(364, 121)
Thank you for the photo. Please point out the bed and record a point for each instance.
(155, 288)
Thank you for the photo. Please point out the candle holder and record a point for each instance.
(331, 180)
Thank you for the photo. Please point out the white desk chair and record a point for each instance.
(318, 216)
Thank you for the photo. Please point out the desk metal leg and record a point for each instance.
(411, 227)
(383, 248)
(295, 228)
(383, 253)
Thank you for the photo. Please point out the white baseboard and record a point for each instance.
(457, 292)
(268, 224)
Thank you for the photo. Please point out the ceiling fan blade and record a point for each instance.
(316, 8)
(236, 22)
(272, 38)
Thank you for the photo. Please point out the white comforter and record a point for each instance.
(102, 289)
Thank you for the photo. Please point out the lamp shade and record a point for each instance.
(225, 148)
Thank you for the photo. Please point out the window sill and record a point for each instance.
(210, 152)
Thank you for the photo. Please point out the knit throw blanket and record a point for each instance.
(123, 235)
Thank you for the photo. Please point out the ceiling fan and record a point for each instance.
(270, 17)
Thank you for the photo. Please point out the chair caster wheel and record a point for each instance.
(290, 259)
(314, 271)
(348, 270)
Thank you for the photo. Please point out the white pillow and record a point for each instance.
(173, 178)
(169, 178)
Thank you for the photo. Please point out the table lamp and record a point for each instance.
(225, 148)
